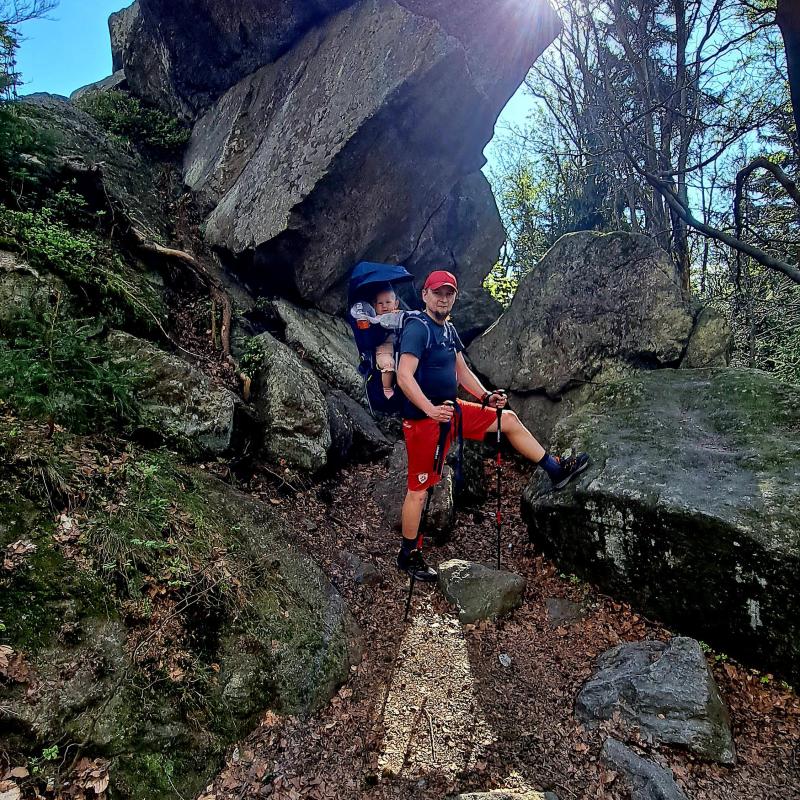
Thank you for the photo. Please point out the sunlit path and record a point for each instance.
(432, 716)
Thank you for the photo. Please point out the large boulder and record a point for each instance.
(101, 164)
(290, 405)
(597, 307)
(286, 642)
(595, 303)
(464, 236)
(346, 146)
(663, 690)
(325, 342)
(689, 509)
(28, 293)
(182, 54)
(178, 403)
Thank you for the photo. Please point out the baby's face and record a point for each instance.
(386, 302)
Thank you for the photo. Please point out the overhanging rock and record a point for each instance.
(183, 54)
(345, 147)
(689, 509)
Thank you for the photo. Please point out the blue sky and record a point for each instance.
(72, 48)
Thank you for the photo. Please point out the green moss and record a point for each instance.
(157, 776)
(127, 117)
(88, 262)
(45, 591)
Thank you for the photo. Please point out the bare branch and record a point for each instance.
(790, 270)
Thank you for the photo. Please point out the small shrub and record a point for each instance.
(85, 260)
(55, 367)
(125, 116)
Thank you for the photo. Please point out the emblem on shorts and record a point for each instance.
(422, 477)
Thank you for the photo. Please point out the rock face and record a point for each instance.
(464, 236)
(666, 691)
(115, 81)
(595, 303)
(347, 145)
(711, 343)
(288, 649)
(290, 406)
(24, 292)
(325, 342)
(81, 146)
(354, 433)
(178, 403)
(182, 54)
(479, 592)
(647, 781)
(689, 507)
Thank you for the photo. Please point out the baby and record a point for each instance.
(386, 302)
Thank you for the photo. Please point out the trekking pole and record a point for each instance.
(424, 521)
(413, 578)
(498, 471)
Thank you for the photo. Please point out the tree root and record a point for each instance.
(218, 294)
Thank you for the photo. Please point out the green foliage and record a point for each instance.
(149, 519)
(501, 285)
(86, 260)
(252, 357)
(20, 142)
(55, 367)
(125, 116)
(50, 753)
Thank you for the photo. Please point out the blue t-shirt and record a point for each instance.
(436, 372)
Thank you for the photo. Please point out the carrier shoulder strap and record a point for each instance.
(420, 317)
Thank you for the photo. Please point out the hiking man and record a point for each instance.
(431, 368)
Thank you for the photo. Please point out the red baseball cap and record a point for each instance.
(439, 278)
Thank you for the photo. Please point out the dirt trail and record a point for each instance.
(432, 709)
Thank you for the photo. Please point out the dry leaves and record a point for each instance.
(529, 709)
(9, 791)
(16, 554)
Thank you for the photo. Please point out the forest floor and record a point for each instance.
(432, 709)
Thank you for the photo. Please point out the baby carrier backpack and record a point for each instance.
(371, 330)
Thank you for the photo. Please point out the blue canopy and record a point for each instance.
(368, 274)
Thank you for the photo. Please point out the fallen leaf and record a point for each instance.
(99, 785)
(19, 772)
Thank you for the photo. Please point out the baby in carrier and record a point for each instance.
(385, 303)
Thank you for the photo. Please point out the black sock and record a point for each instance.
(550, 466)
(408, 545)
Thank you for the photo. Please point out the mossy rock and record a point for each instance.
(287, 645)
(690, 507)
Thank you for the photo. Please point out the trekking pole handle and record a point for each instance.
(489, 395)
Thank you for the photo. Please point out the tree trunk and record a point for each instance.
(788, 19)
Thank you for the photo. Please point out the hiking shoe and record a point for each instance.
(414, 565)
(571, 467)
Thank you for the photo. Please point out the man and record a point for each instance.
(431, 368)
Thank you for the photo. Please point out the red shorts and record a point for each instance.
(422, 436)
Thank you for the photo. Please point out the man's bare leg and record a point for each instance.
(522, 440)
(412, 513)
